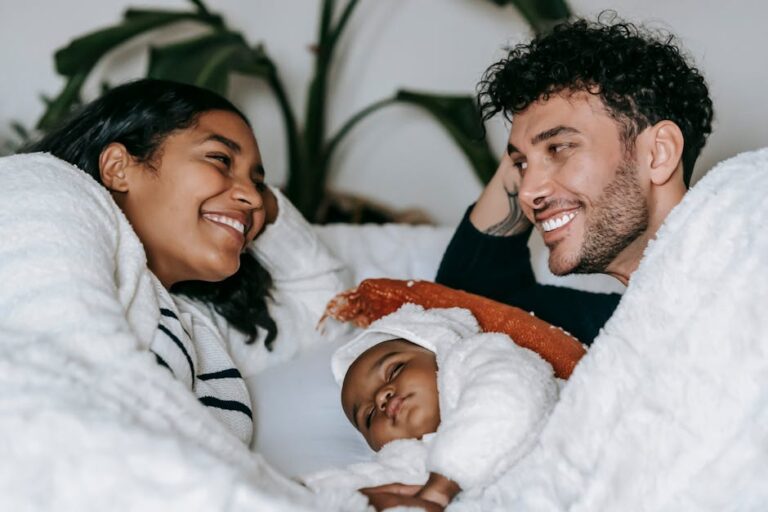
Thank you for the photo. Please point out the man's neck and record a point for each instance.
(663, 200)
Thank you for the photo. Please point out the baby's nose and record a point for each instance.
(383, 396)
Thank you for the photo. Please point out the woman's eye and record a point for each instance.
(221, 158)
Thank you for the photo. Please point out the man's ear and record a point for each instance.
(114, 163)
(666, 151)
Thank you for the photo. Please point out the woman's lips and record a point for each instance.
(232, 226)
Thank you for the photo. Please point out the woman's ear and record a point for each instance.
(114, 162)
(666, 151)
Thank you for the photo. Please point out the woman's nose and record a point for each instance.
(245, 191)
(383, 395)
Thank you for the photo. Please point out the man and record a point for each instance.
(607, 123)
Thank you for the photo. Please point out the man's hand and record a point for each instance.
(270, 205)
(387, 496)
(498, 211)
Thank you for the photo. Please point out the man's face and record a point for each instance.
(390, 392)
(579, 186)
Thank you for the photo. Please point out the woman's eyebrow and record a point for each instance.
(234, 146)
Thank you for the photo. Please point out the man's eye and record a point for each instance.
(520, 165)
(557, 148)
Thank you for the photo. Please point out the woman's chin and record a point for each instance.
(221, 269)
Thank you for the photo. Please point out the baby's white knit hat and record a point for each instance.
(434, 329)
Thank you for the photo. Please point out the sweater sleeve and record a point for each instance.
(495, 397)
(500, 268)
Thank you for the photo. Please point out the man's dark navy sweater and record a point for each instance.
(499, 268)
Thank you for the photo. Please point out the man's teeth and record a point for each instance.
(550, 224)
(221, 219)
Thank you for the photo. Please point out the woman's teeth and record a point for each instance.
(221, 219)
(557, 222)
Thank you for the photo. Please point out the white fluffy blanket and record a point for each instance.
(88, 419)
(669, 410)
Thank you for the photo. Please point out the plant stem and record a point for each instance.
(201, 8)
(343, 20)
(295, 161)
(351, 123)
(307, 187)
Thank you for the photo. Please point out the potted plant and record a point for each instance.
(210, 59)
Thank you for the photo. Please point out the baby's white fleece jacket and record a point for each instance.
(494, 397)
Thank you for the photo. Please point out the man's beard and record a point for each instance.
(619, 217)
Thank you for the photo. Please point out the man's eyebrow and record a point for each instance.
(512, 149)
(552, 132)
(234, 146)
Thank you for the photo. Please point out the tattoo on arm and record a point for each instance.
(514, 223)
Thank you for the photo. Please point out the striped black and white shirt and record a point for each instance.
(205, 366)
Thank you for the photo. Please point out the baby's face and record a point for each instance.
(390, 392)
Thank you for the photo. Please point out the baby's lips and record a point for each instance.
(393, 407)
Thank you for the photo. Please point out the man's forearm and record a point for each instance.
(498, 211)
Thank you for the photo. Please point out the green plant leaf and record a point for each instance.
(60, 107)
(206, 61)
(460, 117)
(84, 52)
(542, 15)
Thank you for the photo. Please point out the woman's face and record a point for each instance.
(199, 202)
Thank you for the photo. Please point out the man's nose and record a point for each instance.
(535, 188)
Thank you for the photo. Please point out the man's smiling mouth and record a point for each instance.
(557, 222)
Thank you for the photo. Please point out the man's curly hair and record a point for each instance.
(641, 77)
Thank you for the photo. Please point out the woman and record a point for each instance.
(174, 201)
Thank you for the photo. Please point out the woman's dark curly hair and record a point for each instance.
(141, 115)
(641, 77)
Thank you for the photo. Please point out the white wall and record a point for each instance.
(398, 156)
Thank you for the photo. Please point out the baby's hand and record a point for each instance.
(439, 489)
(387, 496)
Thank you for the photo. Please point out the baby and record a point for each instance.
(485, 405)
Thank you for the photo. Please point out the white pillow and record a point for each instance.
(300, 425)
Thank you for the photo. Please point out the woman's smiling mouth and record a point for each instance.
(232, 225)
